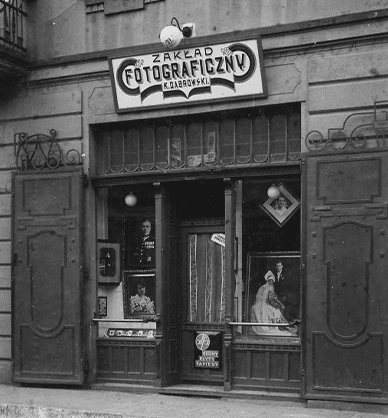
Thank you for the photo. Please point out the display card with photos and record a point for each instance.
(129, 333)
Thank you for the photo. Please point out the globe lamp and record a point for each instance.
(273, 192)
(171, 35)
(130, 200)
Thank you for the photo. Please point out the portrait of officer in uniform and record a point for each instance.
(144, 249)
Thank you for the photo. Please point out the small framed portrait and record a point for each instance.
(139, 291)
(282, 208)
(108, 263)
(273, 293)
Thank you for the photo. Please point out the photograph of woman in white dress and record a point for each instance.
(268, 309)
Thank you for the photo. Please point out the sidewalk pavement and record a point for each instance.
(25, 402)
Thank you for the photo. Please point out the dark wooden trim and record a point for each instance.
(160, 228)
(230, 233)
(303, 219)
(258, 170)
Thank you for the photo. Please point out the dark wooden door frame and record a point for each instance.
(168, 364)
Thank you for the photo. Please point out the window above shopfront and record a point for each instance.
(248, 138)
(114, 6)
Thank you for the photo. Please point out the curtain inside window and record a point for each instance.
(206, 279)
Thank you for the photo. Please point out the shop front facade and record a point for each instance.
(210, 214)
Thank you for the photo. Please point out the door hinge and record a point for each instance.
(85, 180)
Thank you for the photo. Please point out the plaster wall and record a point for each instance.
(63, 28)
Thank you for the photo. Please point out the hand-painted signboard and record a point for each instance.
(186, 76)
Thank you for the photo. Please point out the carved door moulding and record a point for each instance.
(347, 277)
(350, 186)
(342, 375)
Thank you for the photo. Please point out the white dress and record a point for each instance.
(267, 309)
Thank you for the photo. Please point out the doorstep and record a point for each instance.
(208, 391)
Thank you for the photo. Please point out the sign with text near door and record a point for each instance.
(184, 76)
(208, 350)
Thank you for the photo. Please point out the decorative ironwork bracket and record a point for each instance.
(40, 151)
(363, 130)
(12, 5)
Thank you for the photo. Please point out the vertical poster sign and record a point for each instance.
(189, 75)
(208, 350)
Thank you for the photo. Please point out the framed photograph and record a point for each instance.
(273, 293)
(109, 263)
(102, 306)
(141, 243)
(139, 291)
(282, 208)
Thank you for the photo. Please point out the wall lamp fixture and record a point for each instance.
(172, 34)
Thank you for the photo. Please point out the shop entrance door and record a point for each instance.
(47, 277)
(203, 303)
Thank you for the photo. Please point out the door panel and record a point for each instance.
(47, 279)
(346, 262)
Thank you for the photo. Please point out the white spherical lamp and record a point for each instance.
(170, 36)
(273, 192)
(130, 200)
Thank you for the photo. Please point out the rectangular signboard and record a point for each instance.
(186, 76)
(208, 350)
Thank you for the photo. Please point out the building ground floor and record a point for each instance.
(210, 254)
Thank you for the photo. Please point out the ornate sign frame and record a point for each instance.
(189, 75)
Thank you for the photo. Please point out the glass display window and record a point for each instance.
(270, 236)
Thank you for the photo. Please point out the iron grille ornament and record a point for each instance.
(40, 151)
(359, 131)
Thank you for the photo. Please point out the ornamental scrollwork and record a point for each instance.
(40, 151)
(359, 131)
